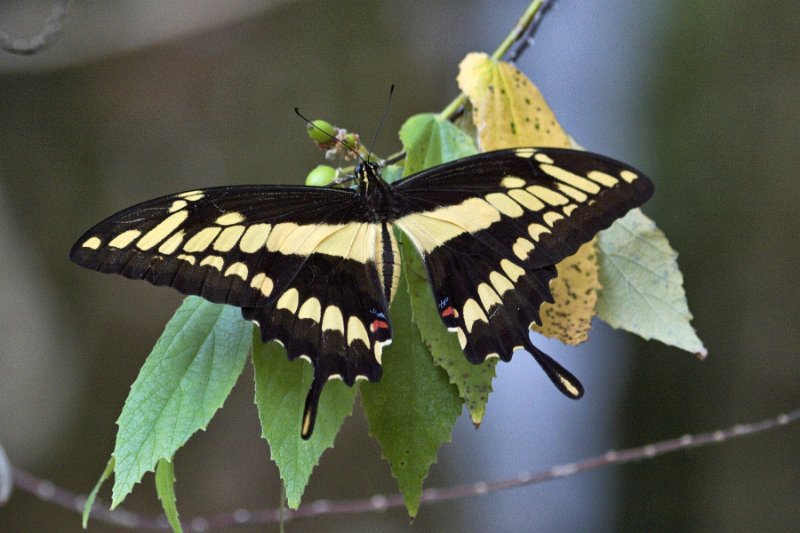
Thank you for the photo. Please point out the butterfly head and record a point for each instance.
(373, 190)
(368, 176)
(367, 170)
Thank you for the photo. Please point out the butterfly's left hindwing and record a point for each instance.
(299, 261)
(491, 228)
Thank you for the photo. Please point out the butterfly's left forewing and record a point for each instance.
(299, 261)
(491, 229)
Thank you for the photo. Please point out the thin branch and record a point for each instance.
(47, 491)
(53, 27)
(526, 38)
(523, 30)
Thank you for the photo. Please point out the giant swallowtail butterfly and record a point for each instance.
(315, 268)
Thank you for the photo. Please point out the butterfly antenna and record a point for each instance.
(383, 118)
(332, 137)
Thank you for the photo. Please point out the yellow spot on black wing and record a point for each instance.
(543, 158)
(262, 283)
(472, 313)
(237, 269)
(462, 338)
(305, 431)
(230, 218)
(289, 300)
(573, 389)
(526, 199)
(333, 239)
(202, 239)
(570, 178)
(228, 238)
(575, 194)
(628, 176)
(536, 231)
(170, 245)
(500, 283)
(356, 331)
(549, 196)
(310, 309)
(213, 261)
(92, 242)
(504, 204)
(177, 205)
(125, 238)
(522, 248)
(431, 229)
(162, 230)
(254, 238)
(568, 209)
(488, 297)
(191, 196)
(512, 182)
(513, 271)
(333, 320)
(602, 178)
(551, 217)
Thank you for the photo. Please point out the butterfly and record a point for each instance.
(315, 268)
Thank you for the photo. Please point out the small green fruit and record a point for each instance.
(351, 141)
(321, 131)
(321, 176)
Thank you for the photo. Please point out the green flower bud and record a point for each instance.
(321, 131)
(351, 141)
(320, 176)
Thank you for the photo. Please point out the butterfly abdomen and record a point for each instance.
(387, 260)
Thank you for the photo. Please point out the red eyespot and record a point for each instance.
(378, 324)
(448, 311)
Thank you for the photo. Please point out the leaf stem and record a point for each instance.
(517, 32)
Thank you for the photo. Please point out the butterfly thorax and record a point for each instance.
(381, 208)
(375, 193)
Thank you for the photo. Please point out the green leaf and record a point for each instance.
(392, 173)
(411, 412)
(165, 488)
(87, 507)
(474, 382)
(281, 388)
(183, 382)
(642, 285)
(429, 141)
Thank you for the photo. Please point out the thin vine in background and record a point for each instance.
(53, 27)
(513, 46)
(47, 491)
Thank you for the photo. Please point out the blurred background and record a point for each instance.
(141, 99)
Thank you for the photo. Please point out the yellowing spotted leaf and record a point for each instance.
(507, 108)
(575, 291)
(509, 111)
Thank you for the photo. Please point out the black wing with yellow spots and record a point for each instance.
(491, 228)
(315, 268)
(299, 261)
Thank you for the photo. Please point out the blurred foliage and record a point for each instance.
(726, 128)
